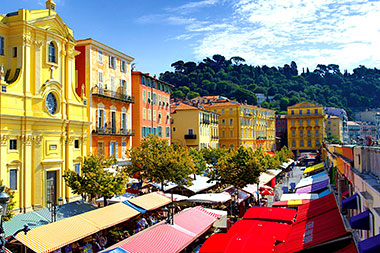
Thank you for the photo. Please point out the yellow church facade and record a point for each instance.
(43, 120)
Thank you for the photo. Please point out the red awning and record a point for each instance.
(163, 238)
(270, 213)
(216, 243)
(313, 231)
(196, 220)
(247, 243)
(316, 207)
(261, 229)
(351, 248)
(271, 153)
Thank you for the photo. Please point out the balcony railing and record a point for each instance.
(113, 131)
(190, 136)
(112, 94)
(214, 137)
(205, 121)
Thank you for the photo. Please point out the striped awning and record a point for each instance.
(313, 168)
(150, 201)
(58, 234)
(109, 216)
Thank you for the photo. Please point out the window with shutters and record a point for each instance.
(77, 168)
(13, 179)
(159, 131)
(112, 60)
(100, 148)
(123, 86)
(1, 45)
(13, 144)
(123, 126)
(154, 98)
(167, 131)
(112, 84)
(154, 115)
(149, 114)
(100, 57)
(100, 79)
(52, 52)
(167, 118)
(144, 96)
(123, 67)
(159, 116)
(123, 150)
(101, 119)
(144, 114)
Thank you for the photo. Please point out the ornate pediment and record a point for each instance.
(304, 104)
(53, 24)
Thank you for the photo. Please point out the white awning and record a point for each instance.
(211, 198)
(296, 196)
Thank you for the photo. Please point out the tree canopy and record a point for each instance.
(94, 180)
(232, 78)
(157, 161)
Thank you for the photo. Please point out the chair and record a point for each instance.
(292, 186)
(285, 189)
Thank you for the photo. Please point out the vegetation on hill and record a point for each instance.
(232, 78)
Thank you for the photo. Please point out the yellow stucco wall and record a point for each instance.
(306, 127)
(45, 141)
(334, 126)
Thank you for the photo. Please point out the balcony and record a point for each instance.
(190, 136)
(121, 96)
(113, 131)
(205, 121)
(214, 137)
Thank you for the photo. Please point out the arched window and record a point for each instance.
(52, 52)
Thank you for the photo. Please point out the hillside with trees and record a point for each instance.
(288, 85)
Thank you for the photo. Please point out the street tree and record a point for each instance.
(157, 161)
(94, 180)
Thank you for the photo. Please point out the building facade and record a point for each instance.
(193, 126)
(104, 75)
(342, 114)
(246, 125)
(43, 120)
(151, 111)
(281, 131)
(334, 127)
(306, 127)
(354, 132)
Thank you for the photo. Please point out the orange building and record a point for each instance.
(151, 110)
(104, 75)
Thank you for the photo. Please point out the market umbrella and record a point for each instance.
(266, 192)
(266, 187)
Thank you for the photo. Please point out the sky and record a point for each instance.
(158, 33)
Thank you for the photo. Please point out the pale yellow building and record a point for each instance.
(306, 127)
(193, 126)
(247, 125)
(334, 127)
(43, 121)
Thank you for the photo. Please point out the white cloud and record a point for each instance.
(274, 32)
(193, 6)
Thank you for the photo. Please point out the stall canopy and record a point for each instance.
(285, 165)
(200, 183)
(118, 198)
(58, 234)
(43, 216)
(361, 221)
(210, 197)
(297, 196)
(270, 213)
(316, 207)
(267, 176)
(290, 203)
(188, 226)
(370, 245)
(313, 231)
(151, 201)
(351, 202)
(313, 168)
(242, 195)
(316, 186)
(311, 180)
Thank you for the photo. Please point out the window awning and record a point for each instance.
(351, 202)
(270, 213)
(313, 168)
(150, 201)
(313, 187)
(313, 231)
(58, 234)
(361, 221)
(369, 245)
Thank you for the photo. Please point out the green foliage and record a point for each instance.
(157, 161)
(94, 180)
(199, 161)
(326, 85)
(242, 166)
(284, 154)
(11, 202)
(333, 139)
(212, 155)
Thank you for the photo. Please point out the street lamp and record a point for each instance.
(4, 198)
(53, 208)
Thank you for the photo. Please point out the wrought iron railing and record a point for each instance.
(112, 94)
(113, 131)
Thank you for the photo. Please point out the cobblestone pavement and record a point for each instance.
(293, 176)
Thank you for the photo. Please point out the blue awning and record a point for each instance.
(369, 245)
(351, 202)
(134, 206)
(361, 221)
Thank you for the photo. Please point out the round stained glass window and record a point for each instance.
(51, 103)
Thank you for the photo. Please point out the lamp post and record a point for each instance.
(53, 208)
(4, 198)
